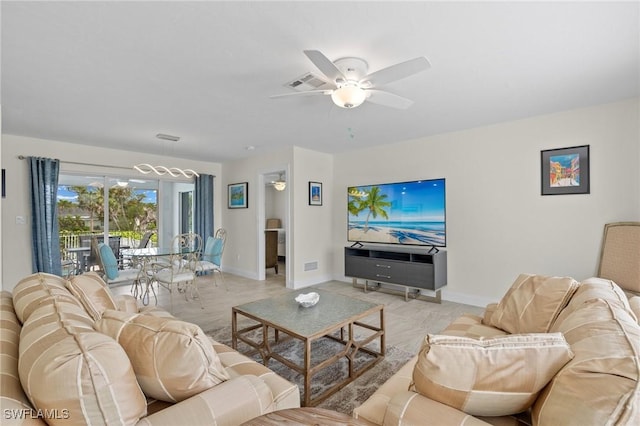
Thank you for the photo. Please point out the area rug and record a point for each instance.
(349, 397)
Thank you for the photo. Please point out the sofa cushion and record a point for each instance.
(66, 365)
(12, 397)
(634, 305)
(496, 376)
(93, 293)
(469, 325)
(532, 303)
(38, 289)
(172, 359)
(596, 288)
(601, 384)
(285, 394)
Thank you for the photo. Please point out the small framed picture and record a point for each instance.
(565, 170)
(238, 195)
(315, 193)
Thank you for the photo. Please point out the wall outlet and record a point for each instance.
(21, 220)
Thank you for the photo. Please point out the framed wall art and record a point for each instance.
(565, 170)
(238, 197)
(315, 193)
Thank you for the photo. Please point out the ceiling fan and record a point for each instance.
(279, 184)
(352, 85)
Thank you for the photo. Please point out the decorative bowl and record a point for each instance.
(308, 299)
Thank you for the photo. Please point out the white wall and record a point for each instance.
(276, 204)
(312, 238)
(309, 227)
(244, 238)
(16, 238)
(498, 224)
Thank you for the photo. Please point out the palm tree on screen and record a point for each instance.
(375, 202)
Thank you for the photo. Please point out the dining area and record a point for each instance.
(148, 268)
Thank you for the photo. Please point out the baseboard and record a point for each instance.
(466, 299)
(297, 284)
(240, 272)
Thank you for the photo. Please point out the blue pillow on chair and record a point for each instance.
(108, 261)
(213, 250)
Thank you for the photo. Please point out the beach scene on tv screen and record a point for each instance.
(398, 213)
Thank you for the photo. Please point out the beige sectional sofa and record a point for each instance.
(552, 352)
(72, 354)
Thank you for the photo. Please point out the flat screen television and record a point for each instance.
(412, 213)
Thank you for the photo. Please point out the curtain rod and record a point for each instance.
(23, 157)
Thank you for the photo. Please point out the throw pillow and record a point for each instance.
(67, 367)
(497, 376)
(173, 360)
(37, 290)
(93, 293)
(109, 261)
(533, 303)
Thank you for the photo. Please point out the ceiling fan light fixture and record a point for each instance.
(280, 184)
(348, 96)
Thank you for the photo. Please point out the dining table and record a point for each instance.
(81, 255)
(148, 259)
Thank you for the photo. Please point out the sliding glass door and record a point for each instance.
(113, 209)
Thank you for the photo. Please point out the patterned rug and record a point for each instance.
(349, 397)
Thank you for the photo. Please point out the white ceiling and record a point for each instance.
(117, 73)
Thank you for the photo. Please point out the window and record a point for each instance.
(131, 206)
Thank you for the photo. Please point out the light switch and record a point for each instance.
(20, 220)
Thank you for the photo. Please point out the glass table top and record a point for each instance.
(154, 251)
(283, 311)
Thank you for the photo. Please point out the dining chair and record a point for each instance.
(127, 260)
(69, 265)
(114, 244)
(146, 238)
(211, 258)
(112, 274)
(175, 275)
(90, 257)
(189, 244)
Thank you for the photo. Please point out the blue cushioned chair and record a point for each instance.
(113, 275)
(212, 256)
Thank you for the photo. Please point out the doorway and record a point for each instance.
(274, 221)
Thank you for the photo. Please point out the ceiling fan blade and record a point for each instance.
(397, 71)
(388, 99)
(306, 93)
(323, 63)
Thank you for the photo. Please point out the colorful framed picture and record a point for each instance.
(565, 170)
(238, 195)
(315, 193)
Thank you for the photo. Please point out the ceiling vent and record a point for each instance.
(308, 81)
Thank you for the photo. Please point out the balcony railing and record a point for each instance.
(127, 239)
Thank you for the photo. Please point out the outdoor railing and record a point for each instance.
(127, 239)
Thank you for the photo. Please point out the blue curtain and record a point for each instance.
(203, 199)
(45, 237)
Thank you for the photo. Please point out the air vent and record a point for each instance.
(311, 266)
(308, 81)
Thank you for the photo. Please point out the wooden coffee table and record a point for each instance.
(329, 318)
(304, 416)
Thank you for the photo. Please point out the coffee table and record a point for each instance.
(327, 319)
